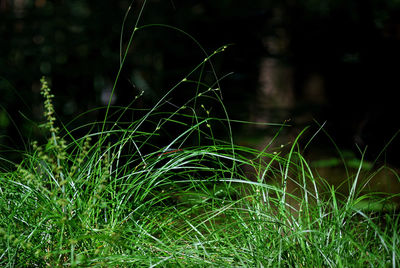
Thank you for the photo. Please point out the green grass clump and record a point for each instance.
(122, 196)
(90, 202)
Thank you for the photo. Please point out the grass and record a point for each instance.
(135, 193)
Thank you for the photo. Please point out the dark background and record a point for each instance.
(338, 61)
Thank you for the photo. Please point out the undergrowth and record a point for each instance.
(121, 196)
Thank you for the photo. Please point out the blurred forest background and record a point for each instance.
(329, 60)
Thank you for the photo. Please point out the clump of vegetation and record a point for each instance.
(83, 203)
(119, 196)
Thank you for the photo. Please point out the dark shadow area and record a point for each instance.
(334, 61)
